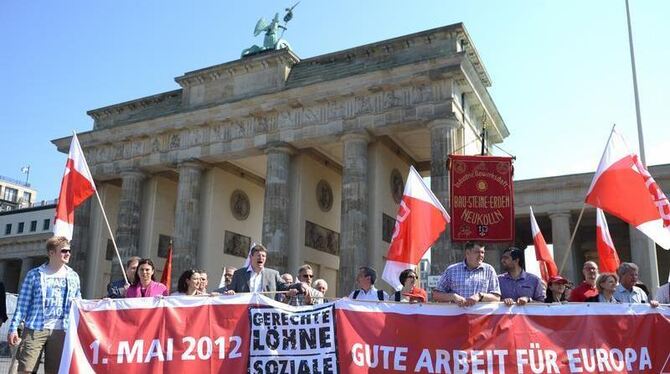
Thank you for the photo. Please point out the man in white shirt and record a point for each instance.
(663, 294)
(366, 286)
(626, 291)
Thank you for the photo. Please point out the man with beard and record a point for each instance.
(516, 285)
(588, 287)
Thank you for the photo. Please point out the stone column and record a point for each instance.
(354, 214)
(276, 206)
(442, 144)
(560, 235)
(26, 264)
(187, 219)
(80, 239)
(128, 221)
(643, 254)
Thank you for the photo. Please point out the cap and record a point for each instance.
(557, 279)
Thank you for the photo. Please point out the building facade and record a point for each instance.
(23, 236)
(15, 194)
(308, 156)
(557, 203)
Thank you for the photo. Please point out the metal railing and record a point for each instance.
(14, 181)
(7, 207)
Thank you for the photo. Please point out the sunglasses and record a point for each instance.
(310, 276)
(65, 250)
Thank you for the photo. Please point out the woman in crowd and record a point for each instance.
(189, 283)
(556, 290)
(144, 284)
(606, 284)
(410, 292)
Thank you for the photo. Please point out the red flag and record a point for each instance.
(166, 277)
(623, 187)
(548, 267)
(420, 220)
(609, 259)
(76, 187)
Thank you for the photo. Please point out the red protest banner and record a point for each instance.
(482, 198)
(158, 335)
(492, 338)
(252, 333)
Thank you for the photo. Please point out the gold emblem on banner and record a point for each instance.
(482, 186)
(460, 167)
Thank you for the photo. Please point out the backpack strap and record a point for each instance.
(355, 296)
(380, 295)
(397, 296)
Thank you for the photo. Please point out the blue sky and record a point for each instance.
(560, 69)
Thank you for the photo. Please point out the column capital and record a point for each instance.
(191, 164)
(559, 214)
(449, 123)
(279, 147)
(361, 136)
(132, 174)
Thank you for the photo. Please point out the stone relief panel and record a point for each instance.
(422, 93)
(321, 238)
(324, 196)
(363, 105)
(109, 251)
(388, 224)
(336, 110)
(163, 245)
(240, 205)
(155, 145)
(195, 137)
(391, 99)
(397, 185)
(310, 115)
(236, 244)
(175, 141)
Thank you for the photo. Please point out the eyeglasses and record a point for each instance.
(65, 250)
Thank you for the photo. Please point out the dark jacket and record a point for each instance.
(271, 281)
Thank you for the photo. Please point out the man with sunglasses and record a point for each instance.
(307, 294)
(43, 305)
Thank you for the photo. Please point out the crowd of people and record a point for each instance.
(47, 292)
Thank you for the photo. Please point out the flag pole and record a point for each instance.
(581, 213)
(104, 215)
(111, 235)
(640, 136)
(572, 239)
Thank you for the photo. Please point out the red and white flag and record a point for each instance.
(420, 221)
(548, 267)
(609, 259)
(623, 187)
(76, 187)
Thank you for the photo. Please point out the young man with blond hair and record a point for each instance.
(43, 305)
